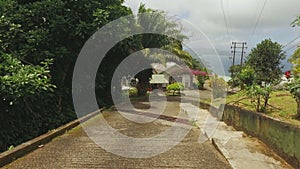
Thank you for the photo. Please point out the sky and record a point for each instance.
(221, 22)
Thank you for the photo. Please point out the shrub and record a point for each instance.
(259, 96)
(133, 92)
(246, 77)
(295, 91)
(175, 87)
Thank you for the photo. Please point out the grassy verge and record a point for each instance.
(281, 105)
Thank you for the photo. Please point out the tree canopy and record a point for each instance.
(265, 59)
(39, 44)
(295, 60)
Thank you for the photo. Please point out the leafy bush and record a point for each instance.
(266, 59)
(295, 91)
(259, 96)
(133, 92)
(201, 77)
(246, 77)
(21, 88)
(175, 87)
(32, 32)
(218, 86)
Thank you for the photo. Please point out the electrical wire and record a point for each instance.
(290, 42)
(259, 17)
(229, 18)
(292, 48)
(258, 20)
(225, 20)
(253, 24)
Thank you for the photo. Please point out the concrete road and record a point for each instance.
(76, 150)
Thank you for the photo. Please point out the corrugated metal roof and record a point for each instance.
(158, 79)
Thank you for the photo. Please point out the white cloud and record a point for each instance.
(241, 17)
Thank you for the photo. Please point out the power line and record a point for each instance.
(258, 19)
(293, 47)
(229, 18)
(253, 24)
(290, 42)
(225, 20)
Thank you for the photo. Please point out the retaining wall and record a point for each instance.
(282, 137)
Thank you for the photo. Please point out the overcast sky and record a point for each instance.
(246, 20)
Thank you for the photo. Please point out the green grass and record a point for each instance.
(282, 105)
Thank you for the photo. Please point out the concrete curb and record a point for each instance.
(21, 150)
(223, 151)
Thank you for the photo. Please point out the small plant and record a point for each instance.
(11, 147)
(133, 92)
(175, 87)
(193, 122)
(259, 96)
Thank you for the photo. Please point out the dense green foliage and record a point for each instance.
(265, 59)
(36, 96)
(244, 78)
(295, 91)
(259, 96)
(295, 60)
(234, 70)
(296, 22)
(39, 45)
(133, 92)
(158, 21)
(262, 70)
(295, 85)
(175, 87)
(21, 86)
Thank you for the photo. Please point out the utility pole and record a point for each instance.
(236, 46)
(242, 54)
(233, 59)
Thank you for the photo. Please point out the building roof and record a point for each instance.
(158, 79)
(170, 68)
(176, 69)
(158, 68)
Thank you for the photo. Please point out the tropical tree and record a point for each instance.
(170, 39)
(296, 22)
(295, 85)
(295, 91)
(295, 60)
(263, 66)
(265, 59)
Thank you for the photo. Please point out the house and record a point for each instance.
(158, 81)
(172, 72)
